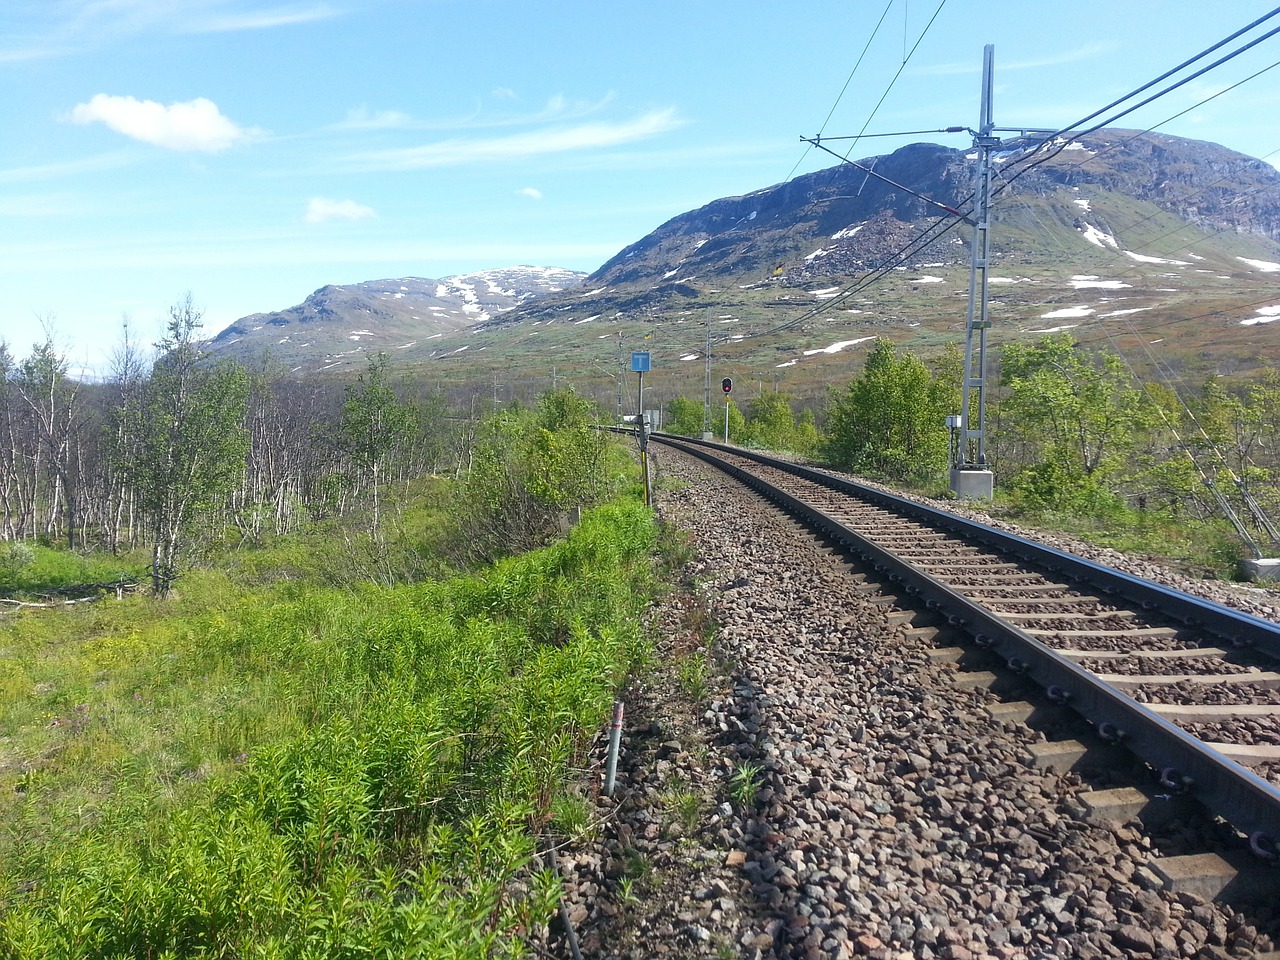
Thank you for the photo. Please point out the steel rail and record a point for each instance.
(1183, 763)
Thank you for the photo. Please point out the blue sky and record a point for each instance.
(251, 151)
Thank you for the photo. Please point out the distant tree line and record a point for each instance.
(1071, 431)
(173, 449)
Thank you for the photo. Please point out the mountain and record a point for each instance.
(339, 323)
(1127, 238)
(1148, 193)
(1165, 248)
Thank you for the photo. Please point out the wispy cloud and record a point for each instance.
(48, 29)
(322, 210)
(533, 193)
(192, 125)
(1090, 51)
(557, 139)
(260, 19)
(556, 109)
(67, 168)
(362, 118)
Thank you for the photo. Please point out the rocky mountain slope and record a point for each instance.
(1129, 239)
(339, 322)
(841, 221)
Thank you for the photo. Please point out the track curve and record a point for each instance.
(1188, 685)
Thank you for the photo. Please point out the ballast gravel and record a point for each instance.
(813, 784)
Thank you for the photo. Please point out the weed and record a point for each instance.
(627, 895)
(695, 673)
(571, 817)
(637, 865)
(685, 805)
(743, 784)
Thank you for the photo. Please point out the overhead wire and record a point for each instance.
(937, 230)
(908, 54)
(848, 80)
(1075, 130)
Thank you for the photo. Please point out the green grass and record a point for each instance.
(28, 569)
(1203, 548)
(265, 767)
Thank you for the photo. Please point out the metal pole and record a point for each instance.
(706, 383)
(615, 740)
(726, 418)
(643, 436)
(973, 451)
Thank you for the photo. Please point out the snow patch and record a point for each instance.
(838, 346)
(825, 293)
(1093, 283)
(1265, 315)
(1265, 266)
(1065, 326)
(1067, 313)
(927, 279)
(1082, 204)
(1142, 258)
(690, 356)
(1122, 313)
(592, 293)
(1098, 238)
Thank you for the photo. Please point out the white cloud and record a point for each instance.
(322, 209)
(361, 118)
(533, 193)
(263, 19)
(562, 139)
(191, 125)
(503, 93)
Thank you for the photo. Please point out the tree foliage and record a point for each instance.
(772, 424)
(891, 421)
(375, 425)
(192, 442)
(528, 470)
(684, 417)
(1077, 415)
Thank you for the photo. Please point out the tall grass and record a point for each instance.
(298, 771)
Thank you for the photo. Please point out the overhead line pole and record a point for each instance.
(973, 450)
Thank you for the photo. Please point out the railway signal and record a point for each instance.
(726, 385)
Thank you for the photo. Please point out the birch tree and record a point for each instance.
(192, 441)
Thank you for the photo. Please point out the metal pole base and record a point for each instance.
(972, 484)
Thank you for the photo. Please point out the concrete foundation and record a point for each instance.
(1266, 569)
(708, 435)
(973, 484)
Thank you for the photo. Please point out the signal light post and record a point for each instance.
(640, 364)
(726, 385)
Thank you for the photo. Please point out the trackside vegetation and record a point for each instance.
(303, 771)
(1075, 440)
(347, 735)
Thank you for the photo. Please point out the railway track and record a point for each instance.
(1189, 686)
